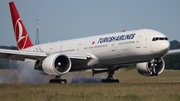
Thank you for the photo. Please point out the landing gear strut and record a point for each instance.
(110, 79)
(58, 79)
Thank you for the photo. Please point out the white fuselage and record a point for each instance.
(112, 49)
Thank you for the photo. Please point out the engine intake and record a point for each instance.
(146, 68)
(56, 64)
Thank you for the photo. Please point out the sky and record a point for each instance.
(68, 19)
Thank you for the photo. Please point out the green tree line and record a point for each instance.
(172, 61)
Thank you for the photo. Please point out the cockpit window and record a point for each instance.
(154, 39)
(159, 38)
(166, 38)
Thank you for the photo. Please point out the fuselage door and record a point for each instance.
(138, 42)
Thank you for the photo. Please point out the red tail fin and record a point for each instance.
(22, 39)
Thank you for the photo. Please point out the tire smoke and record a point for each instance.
(22, 72)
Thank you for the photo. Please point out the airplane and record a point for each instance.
(101, 53)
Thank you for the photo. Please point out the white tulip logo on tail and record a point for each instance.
(21, 39)
(20, 30)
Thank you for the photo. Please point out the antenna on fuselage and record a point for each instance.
(124, 30)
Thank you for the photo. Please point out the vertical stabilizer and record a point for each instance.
(22, 38)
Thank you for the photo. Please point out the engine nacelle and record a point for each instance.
(56, 64)
(146, 70)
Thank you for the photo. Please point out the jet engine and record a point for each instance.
(152, 68)
(56, 64)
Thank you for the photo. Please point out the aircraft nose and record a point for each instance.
(162, 48)
(165, 46)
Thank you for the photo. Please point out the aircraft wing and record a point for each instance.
(20, 55)
(174, 51)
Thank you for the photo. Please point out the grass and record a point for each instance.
(133, 87)
(91, 92)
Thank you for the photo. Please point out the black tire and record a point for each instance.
(50, 81)
(116, 81)
(110, 81)
(103, 81)
(63, 81)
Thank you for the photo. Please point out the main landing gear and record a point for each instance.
(58, 79)
(110, 79)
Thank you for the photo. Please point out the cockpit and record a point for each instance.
(159, 38)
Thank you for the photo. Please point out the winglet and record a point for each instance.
(22, 38)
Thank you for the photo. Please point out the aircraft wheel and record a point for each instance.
(63, 81)
(50, 81)
(110, 81)
(116, 81)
